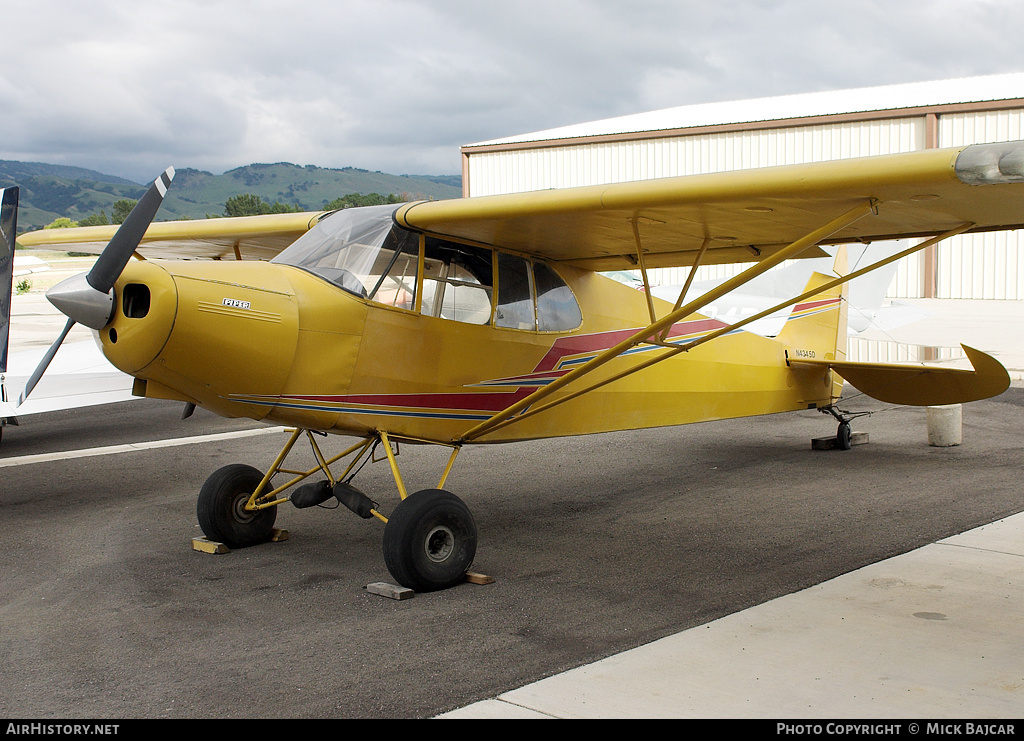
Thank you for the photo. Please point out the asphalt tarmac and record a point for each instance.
(597, 545)
(636, 574)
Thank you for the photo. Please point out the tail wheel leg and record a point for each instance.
(430, 541)
(221, 508)
(844, 433)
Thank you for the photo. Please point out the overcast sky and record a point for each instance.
(129, 87)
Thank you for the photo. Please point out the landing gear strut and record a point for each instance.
(429, 540)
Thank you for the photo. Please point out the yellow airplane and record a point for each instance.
(485, 320)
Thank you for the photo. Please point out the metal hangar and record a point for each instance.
(714, 137)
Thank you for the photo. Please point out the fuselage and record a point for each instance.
(428, 339)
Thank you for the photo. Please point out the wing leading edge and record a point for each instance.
(237, 238)
(741, 215)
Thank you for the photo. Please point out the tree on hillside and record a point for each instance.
(244, 204)
(250, 204)
(62, 222)
(120, 210)
(353, 200)
(99, 219)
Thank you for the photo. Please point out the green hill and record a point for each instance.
(51, 191)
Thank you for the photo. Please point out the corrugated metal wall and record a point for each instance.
(983, 266)
(987, 266)
(516, 171)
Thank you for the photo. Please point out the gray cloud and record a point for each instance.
(399, 85)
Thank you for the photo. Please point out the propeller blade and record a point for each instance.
(41, 368)
(119, 250)
(87, 298)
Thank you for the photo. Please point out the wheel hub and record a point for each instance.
(439, 544)
(238, 509)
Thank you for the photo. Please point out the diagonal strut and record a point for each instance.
(668, 320)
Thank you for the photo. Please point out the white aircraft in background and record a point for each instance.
(867, 307)
(79, 374)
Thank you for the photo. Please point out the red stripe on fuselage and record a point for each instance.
(495, 401)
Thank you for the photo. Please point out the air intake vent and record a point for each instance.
(135, 300)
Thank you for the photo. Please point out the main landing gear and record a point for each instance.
(222, 512)
(429, 540)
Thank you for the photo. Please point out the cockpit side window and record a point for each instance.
(515, 295)
(457, 282)
(557, 309)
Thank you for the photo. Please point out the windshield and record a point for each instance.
(361, 251)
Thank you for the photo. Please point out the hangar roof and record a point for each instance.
(786, 107)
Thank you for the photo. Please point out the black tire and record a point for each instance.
(430, 541)
(844, 436)
(220, 508)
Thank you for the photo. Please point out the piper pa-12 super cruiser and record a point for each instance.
(486, 320)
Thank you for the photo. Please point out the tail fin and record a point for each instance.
(816, 328)
(8, 233)
(867, 293)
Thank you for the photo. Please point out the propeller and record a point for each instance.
(88, 298)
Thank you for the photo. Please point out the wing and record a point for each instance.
(237, 238)
(744, 215)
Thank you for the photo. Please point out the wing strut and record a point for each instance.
(673, 350)
(689, 279)
(646, 334)
(826, 287)
(635, 221)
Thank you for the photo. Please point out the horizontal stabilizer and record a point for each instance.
(922, 385)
